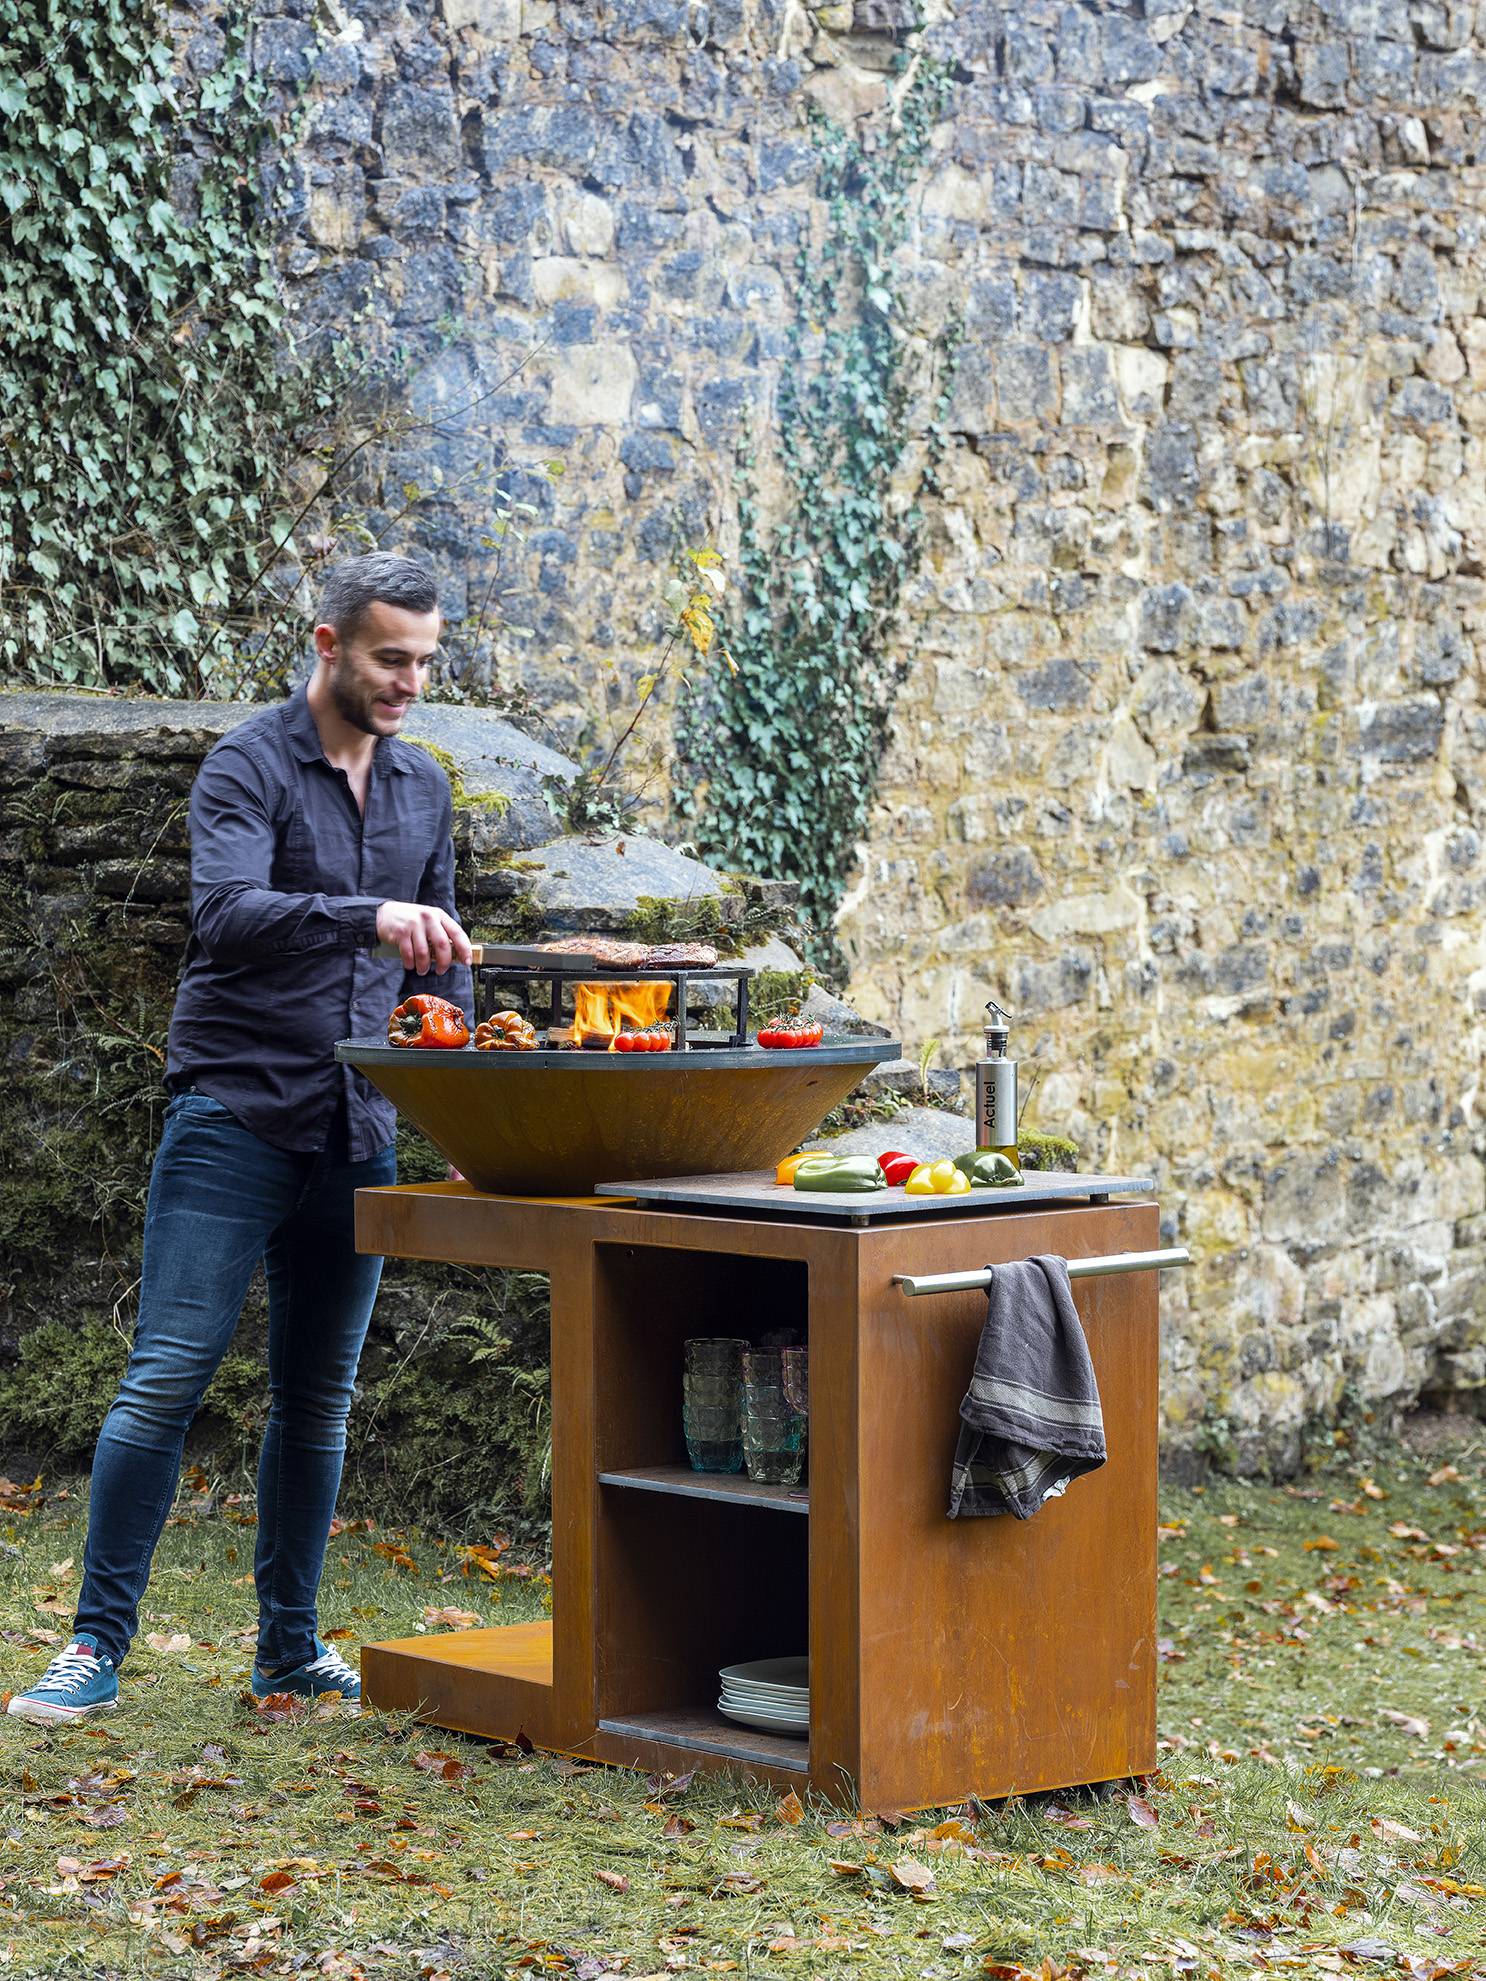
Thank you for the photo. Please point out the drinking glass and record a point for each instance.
(712, 1402)
(775, 1394)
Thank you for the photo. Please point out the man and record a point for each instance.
(315, 836)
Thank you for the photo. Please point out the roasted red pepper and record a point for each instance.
(426, 1020)
(506, 1031)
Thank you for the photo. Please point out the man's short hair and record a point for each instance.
(359, 582)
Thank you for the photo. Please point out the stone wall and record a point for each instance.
(1187, 767)
(1196, 689)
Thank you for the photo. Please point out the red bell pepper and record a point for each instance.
(426, 1020)
(897, 1167)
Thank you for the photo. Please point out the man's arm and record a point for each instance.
(237, 916)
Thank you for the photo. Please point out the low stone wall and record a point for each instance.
(94, 880)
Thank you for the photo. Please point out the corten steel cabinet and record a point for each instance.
(947, 1658)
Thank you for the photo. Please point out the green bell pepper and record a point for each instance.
(828, 1172)
(987, 1169)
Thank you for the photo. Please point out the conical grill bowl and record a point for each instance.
(554, 1124)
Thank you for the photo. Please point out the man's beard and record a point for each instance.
(353, 703)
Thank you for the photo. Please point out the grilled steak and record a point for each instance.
(681, 956)
(614, 955)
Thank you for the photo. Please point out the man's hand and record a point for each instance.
(428, 939)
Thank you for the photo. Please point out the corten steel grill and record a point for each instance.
(557, 1121)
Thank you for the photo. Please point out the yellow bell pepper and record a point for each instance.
(937, 1179)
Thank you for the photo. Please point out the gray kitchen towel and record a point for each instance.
(1031, 1421)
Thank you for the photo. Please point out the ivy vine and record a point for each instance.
(145, 390)
(779, 760)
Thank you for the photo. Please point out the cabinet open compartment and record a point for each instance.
(695, 1570)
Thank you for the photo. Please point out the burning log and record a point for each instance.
(601, 1012)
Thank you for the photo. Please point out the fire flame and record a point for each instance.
(602, 1011)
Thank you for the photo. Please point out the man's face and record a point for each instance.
(379, 670)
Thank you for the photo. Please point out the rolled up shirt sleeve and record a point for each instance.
(237, 915)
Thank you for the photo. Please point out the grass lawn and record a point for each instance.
(1321, 1805)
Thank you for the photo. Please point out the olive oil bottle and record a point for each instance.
(995, 1090)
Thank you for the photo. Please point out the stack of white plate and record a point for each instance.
(772, 1694)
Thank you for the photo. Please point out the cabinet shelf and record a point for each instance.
(699, 1731)
(730, 1488)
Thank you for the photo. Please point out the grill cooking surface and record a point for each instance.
(849, 1052)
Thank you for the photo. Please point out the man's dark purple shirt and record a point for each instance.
(287, 876)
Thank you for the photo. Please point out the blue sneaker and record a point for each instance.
(327, 1671)
(78, 1681)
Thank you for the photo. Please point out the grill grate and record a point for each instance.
(555, 975)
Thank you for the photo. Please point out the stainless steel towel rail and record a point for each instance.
(1110, 1262)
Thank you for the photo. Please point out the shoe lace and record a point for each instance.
(70, 1670)
(330, 1664)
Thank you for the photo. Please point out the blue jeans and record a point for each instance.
(221, 1200)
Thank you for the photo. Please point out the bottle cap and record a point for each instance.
(997, 1029)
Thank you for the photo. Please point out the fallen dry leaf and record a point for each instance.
(1142, 1813)
(447, 1767)
(177, 1640)
(952, 1831)
(1385, 1827)
(481, 1560)
(789, 1809)
(735, 1881)
(16, 1498)
(1410, 1723)
(911, 1875)
(1096, 1874)
(278, 1706)
(399, 1557)
(1322, 1544)
(670, 1787)
(613, 1880)
(450, 1618)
